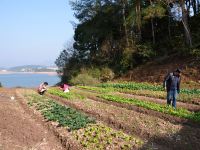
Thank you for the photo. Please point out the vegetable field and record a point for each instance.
(121, 116)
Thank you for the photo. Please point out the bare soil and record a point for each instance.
(18, 130)
(156, 70)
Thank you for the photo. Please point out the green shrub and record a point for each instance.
(143, 53)
(107, 74)
(0, 84)
(195, 53)
(84, 79)
(126, 61)
(94, 72)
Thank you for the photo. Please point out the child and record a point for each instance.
(42, 88)
(64, 87)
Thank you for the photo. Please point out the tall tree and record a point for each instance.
(185, 14)
(124, 3)
(138, 19)
(154, 10)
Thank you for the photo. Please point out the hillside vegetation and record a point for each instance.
(156, 70)
(124, 35)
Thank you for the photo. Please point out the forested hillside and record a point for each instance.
(121, 35)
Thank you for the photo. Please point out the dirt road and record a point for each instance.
(20, 131)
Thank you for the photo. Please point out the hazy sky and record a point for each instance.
(33, 31)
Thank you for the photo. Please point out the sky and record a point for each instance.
(33, 32)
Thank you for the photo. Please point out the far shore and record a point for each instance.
(12, 72)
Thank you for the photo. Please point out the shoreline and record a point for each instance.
(12, 72)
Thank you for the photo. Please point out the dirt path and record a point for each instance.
(19, 131)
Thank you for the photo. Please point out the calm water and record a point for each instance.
(27, 80)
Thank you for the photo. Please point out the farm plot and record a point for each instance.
(83, 129)
(136, 95)
(179, 112)
(137, 123)
(150, 105)
(156, 91)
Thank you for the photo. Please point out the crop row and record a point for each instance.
(161, 94)
(156, 94)
(144, 86)
(137, 123)
(132, 86)
(69, 95)
(97, 89)
(89, 133)
(179, 112)
(99, 136)
(65, 116)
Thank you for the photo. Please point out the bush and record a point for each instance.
(107, 74)
(84, 79)
(195, 53)
(90, 76)
(0, 84)
(143, 53)
(94, 72)
(126, 61)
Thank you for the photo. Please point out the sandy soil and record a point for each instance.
(19, 131)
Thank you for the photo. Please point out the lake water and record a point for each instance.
(27, 79)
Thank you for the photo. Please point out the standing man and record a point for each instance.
(172, 85)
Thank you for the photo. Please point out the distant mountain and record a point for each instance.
(33, 68)
(1, 68)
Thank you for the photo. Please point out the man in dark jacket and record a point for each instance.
(172, 85)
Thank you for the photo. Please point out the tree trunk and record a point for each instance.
(138, 19)
(188, 37)
(153, 32)
(124, 21)
(152, 28)
(169, 22)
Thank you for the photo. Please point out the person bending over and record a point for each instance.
(64, 88)
(42, 88)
